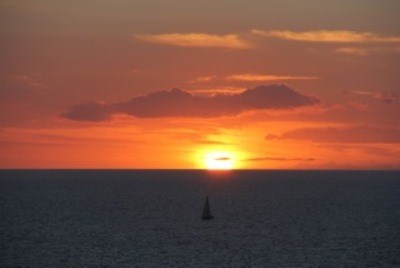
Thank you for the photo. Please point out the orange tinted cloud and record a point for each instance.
(329, 36)
(268, 77)
(364, 51)
(203, 79)
(356, 51)
(231, 41)
(217, 90)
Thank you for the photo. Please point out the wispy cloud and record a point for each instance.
(252, 77)
(364, 51)
(279, 159)
(356, 51)
(386, 97)
(356, 134)
(267, 77)
(29, 80)
(230, 41)
(329, 36)
(203, 79)
(210, 142)
(217, 90)
(223, 158)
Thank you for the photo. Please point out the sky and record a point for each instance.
(252, 84)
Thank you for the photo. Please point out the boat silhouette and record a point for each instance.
(206, 215)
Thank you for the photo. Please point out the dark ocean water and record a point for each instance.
(152, 218)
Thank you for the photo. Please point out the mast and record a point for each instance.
(206, 215)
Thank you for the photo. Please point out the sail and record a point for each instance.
(206, 215)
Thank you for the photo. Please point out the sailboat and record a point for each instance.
(206, 215)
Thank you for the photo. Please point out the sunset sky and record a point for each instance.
(168, 84)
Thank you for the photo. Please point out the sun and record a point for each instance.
(219, 161)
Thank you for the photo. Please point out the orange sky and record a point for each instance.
(152, 84)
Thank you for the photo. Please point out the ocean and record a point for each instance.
(144, 218)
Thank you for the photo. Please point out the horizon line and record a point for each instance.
(183, 169)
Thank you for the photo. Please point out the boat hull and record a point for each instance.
(207, 217)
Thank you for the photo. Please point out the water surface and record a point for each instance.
(152, 218)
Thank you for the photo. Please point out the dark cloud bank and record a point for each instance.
(180, 103)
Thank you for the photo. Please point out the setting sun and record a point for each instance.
(219, 161)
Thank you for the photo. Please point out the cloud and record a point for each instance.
(365, 51)
(210, 142)
(329, 36)
(223, 158)
(267, 77)
(251, 77)
(180, 103)
(30, 80)
(358, 134)
(203, 79)
(355, 51)
(217, 90)
(279, 159)
(231, 41)
(386, 97)
(92, 112)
